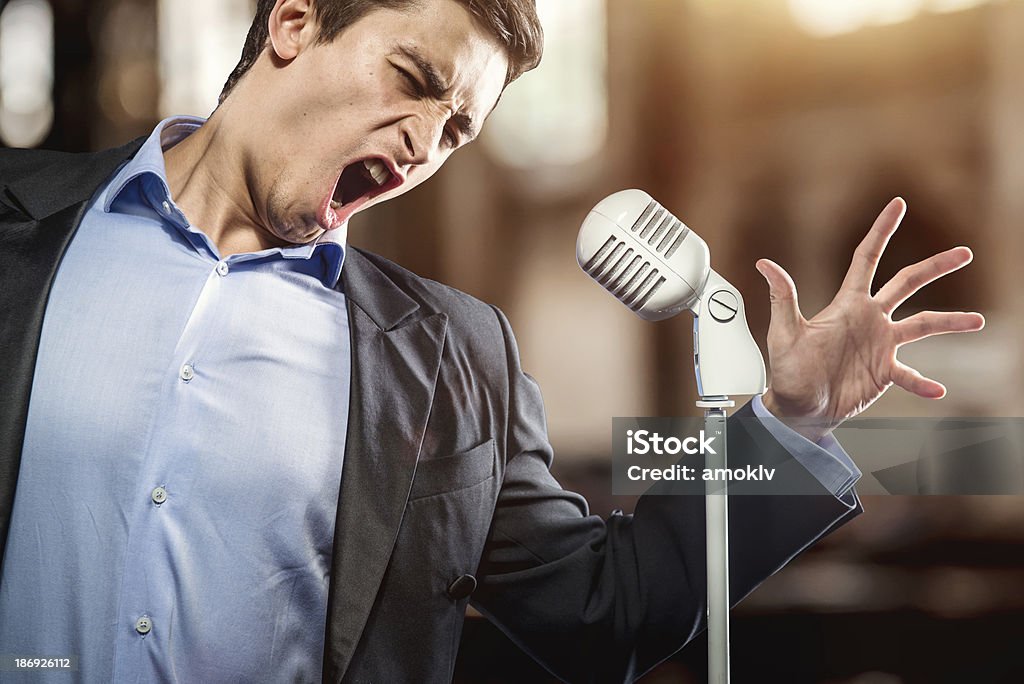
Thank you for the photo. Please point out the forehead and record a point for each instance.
(467, 57)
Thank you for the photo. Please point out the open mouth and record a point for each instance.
(358, 183)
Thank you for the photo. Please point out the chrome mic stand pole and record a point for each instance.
(716, 502)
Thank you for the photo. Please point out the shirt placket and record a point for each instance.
(162, 490)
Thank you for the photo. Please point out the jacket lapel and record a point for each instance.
(48, 206)
(396, 355)
(29, 255)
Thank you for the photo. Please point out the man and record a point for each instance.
(234, 449)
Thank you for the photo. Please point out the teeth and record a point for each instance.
(378, 170)
(335, 204)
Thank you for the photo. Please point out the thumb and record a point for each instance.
(782, 291)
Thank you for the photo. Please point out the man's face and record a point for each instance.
(370, 115)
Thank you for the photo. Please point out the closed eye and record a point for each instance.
(416, 86)
(419, 90)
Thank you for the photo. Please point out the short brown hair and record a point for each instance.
(513, 22)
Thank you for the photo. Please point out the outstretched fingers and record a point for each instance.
(912, 278)
(928, 323)
(782, 291)
(912, 381)
(869, 251)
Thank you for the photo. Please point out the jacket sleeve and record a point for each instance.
(606, 600)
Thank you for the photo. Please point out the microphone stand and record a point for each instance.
(716, 506)
(726, 361)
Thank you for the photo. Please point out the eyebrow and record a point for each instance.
(437, 89)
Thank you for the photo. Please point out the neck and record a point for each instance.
(207, 173)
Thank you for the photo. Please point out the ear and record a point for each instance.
(290, 27)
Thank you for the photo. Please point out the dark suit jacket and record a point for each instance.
(445, 475)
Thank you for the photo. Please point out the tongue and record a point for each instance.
(354, 183)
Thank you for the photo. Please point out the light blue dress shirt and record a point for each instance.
(175, 507)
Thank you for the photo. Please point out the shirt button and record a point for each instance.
(166, 206)
(143, 625)
(222, 268)
(187, 372)
(159, 495)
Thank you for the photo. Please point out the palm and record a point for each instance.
(835, 365)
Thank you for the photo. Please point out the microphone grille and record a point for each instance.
(624, 273)
(662, 231)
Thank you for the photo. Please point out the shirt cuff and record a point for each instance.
(825, 459)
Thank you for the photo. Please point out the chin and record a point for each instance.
(297, 231)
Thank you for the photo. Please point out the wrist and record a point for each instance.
(802, 421)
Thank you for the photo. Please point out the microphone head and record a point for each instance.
(637, 250)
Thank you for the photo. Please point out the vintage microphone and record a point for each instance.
(638, 251)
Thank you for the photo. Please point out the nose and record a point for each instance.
(420, 140)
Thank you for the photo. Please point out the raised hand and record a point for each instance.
(833, 366)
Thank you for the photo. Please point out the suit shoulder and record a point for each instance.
(16, 163)
(465, 312)
(72, 176)
(19, 160)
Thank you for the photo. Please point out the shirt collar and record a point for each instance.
(148, 164)
(150, 157)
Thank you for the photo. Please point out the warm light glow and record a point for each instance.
(953, 5)
(26, 72)
(832, 17)
(557, 115)
(200, 42)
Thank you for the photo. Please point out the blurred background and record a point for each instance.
(774, 128)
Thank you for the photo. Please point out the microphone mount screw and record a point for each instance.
(723, 306)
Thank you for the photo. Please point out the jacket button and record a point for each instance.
(462, 587)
